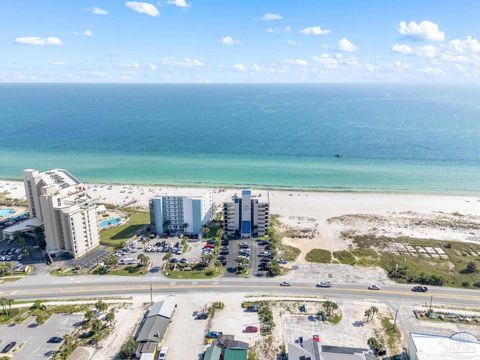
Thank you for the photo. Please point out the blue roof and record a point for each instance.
(246, 192)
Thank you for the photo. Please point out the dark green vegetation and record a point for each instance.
(319, 256)
(117, 236)
(461, 269)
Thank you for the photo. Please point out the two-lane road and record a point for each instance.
(103, 287)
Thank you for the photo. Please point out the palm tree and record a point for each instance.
(370, 313)
(185, 226)
(329, 307)
(144, 259)
(101, 306)
(110, 317)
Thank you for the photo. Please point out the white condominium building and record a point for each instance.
(246, 215)
(62, 204)
(180, 213)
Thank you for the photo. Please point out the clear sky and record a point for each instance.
(240, 41)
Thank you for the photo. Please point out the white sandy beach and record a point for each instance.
(389, 214)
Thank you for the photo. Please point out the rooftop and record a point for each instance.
(437, 347)
(162, 308)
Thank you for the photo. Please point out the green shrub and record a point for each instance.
(319, 256)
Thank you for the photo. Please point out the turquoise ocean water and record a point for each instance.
(392, 137)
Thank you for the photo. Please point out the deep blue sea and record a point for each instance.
(412, 138)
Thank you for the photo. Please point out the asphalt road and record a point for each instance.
(71, 287)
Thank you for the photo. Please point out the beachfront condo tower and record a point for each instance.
(181, 214)
(63, 206)
(246, 215)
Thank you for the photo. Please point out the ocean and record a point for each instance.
(406, 138)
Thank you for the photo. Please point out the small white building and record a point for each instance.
(459, 346)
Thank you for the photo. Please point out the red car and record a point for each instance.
(251, 329)
(316, 338)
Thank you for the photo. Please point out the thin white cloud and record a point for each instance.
(143, 8)
(229, 41)
(152, 67)
(425, 30)
(346, 45)
(297, 62)
(292, 42)
(87, 33)
(314, 30)
(99, 11)
(59, 63)
(39, 41)
(179, 3)
(187, 62)
(133, 66)
(326, 60)
(271, 17)
(240, 68)
(402, 49)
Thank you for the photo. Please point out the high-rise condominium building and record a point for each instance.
(246, 215)
(62, 204)
(181, 214)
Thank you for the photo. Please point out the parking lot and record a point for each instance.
(253, 249)
(31, 338)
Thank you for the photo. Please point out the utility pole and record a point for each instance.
(431, 299)
(395, 321)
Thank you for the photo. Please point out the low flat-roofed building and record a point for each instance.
(213, 352)
(312, 349)
(461, 345)
(162, 308)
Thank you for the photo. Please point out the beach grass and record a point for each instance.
(288, 252)
(319, 256)
(369, 250)
(118, 235)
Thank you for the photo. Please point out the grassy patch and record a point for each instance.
(117, 236)
(208, 273)
(335, 319)
(319, 256)
(289, 253)
(419, 268)
(345, 257)
(392, 333)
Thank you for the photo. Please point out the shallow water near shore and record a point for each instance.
(392, 138)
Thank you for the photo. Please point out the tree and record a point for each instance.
(205, 231)
(273, 268)
(471, 268)
(242, 262)
(329, 307)
(167, 257)
(185, 226)
(111, 261)
(89, 315)
(101, 306)
(96, 325)
(127, 350)
(370, 313)
(110, 317)
(144, 259)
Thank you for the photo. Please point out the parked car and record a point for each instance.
(282, 261)
(374, 287)
(55, 340)
(201, 316)
(251, 329)
(324, 284)
(214, 334)
(285, 283)
(163, 353)
(9, 347)
(419, 288)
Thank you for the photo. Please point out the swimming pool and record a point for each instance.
(6, 212)
(109, 222)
